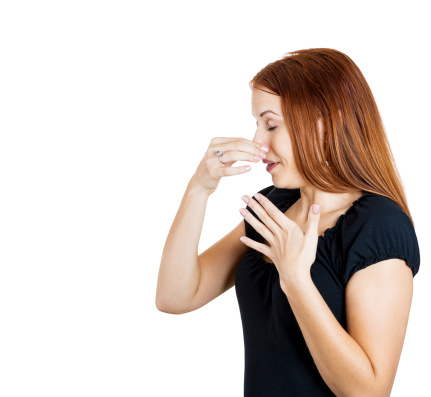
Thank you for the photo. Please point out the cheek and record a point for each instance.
(284, 147)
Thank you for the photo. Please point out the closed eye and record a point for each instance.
(272, 128)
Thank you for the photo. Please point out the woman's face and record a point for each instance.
(271, 130)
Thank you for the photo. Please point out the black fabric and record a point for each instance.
(277, 360)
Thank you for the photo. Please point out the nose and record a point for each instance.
(261, 139)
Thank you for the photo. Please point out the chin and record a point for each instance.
(289, 184)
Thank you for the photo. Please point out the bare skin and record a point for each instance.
(326, 222)
(187, 280)
(286, 174)
(363, 360)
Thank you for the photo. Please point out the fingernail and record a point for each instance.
(316, 208)
(245, 199)
(264, 148)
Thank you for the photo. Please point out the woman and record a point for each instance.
(324, 277)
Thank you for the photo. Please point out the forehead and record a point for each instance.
(261, 101)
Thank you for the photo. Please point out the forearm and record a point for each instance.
(179, 271)
(342, 363)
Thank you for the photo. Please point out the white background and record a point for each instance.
(106, 109)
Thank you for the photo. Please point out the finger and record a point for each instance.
(258, 226)
(263, 215)
(230, 171)
(230, 156)
(242, 142)
(238, 144)
(282, 219)
(263, 248)
(312, 232)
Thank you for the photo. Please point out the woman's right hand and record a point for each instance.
(210, 170)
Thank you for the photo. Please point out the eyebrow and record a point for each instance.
(265, 112)
(268, 111)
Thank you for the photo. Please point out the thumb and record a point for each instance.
(313, 220)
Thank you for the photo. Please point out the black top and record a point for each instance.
(277, 360)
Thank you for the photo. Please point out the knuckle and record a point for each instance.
(278, 233)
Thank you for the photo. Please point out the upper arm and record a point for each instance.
(218, 266)
(378, 300)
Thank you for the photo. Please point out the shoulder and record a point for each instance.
(376, 211)
(375, 229)
(373, 204)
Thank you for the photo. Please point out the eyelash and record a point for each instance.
(272, 128)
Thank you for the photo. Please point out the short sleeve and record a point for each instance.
(386, 232)
(249, 231)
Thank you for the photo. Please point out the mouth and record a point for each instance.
(271, 166)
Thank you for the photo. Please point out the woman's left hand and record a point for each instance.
(292, 251)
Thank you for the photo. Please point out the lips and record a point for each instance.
(269, 161)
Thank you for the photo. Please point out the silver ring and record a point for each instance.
(219, 153)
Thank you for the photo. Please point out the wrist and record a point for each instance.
(195, 189)
(294, 282)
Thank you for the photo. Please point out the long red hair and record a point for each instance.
(325, 83)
